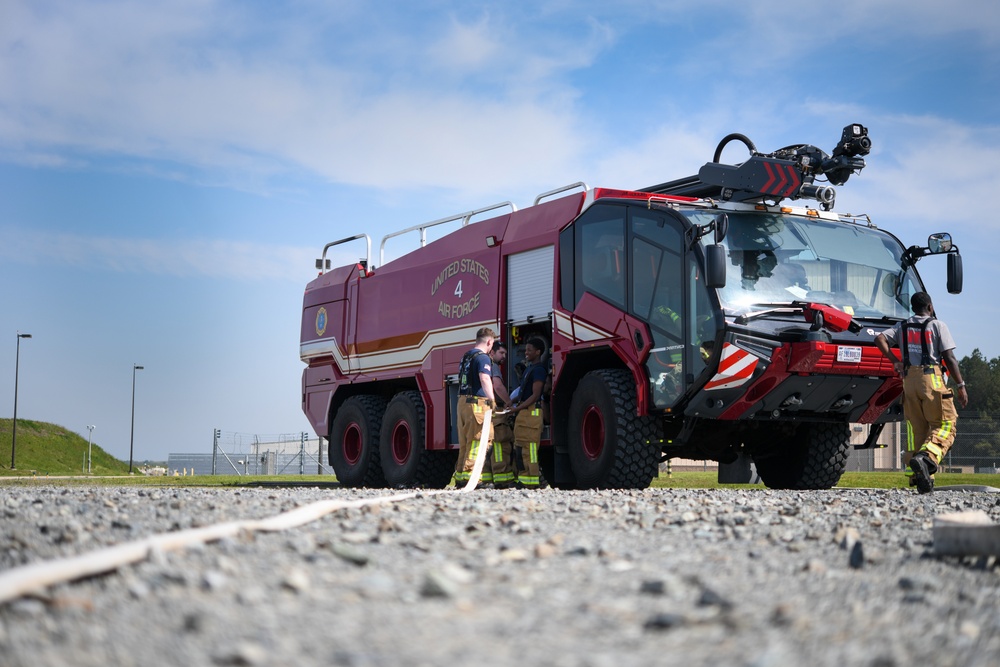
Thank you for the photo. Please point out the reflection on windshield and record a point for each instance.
(776, 258)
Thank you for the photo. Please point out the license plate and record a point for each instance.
(850, 355)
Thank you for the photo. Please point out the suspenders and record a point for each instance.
(904, 348)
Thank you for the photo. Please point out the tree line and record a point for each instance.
(978, 433)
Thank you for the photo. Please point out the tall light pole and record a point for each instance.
(131, 442)
(17, 367)
(90, 439)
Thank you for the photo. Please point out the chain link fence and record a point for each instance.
(253, 454)
(976, 450)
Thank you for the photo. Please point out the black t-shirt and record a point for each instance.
(474, 362)
(534, 373)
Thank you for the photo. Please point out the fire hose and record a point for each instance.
(34, 577)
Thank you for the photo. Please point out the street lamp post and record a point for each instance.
(17, 368)
(131, 442)
(90, 439)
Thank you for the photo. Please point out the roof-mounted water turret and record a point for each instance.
(787, 173)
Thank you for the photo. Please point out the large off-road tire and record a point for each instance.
(354, 446)
(610, 446)
(405, 461)
(814, 458)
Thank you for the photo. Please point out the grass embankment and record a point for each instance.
(48, 449)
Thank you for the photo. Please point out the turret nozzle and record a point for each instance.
(824, 194)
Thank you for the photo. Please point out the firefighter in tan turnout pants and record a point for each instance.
(928, 403)
(501, 459)
(475, 397)
(528, 424)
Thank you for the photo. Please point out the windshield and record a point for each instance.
(779, 258)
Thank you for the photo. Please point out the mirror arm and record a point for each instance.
(912, 254)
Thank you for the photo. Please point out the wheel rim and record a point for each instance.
(402, 442)
(593, 433)
(352, 444)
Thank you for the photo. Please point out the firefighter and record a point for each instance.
(528, 410)
(475, 389)
(928, 404)
(501, 459)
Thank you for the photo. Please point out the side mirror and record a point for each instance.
(721, 227)
(954, 273)
(939, 243)
(715, 266)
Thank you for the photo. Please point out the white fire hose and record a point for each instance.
(32, 578)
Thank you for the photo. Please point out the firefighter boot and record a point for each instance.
(923, 468)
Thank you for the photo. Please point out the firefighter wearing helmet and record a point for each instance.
(928, 403)
(475, 389)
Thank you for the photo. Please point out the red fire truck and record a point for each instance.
(698, 318)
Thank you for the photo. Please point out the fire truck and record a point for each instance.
(704, 318)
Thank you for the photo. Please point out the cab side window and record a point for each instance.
(600, 252)
(657, 278)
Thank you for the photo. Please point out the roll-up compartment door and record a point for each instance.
(530, 281)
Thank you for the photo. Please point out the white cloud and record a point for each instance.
(929, 170)
(160, 85)
(464, 99)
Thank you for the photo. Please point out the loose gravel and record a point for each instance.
(595, 579)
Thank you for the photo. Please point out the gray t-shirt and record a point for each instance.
(940, 340)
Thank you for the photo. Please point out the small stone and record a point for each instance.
(356, 538)
(664, 621)
(783, 615)
(969, 630)
(296, 580)
(245, 654)
(815, 566)
(544, 550)
(847, 537)
(653, 587)
(439, 585)
(213, 580)
(917, 583)
(620, 565)
(857, 558)
(193, 623)
(138, 589)
(350, 555)
(710, 598)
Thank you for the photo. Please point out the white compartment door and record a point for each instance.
(530, 284)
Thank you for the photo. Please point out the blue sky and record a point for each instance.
(169, 171)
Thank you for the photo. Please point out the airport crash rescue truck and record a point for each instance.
(697, 318)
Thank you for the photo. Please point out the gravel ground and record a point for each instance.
(593, 579)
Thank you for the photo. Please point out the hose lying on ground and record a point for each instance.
(21, 581)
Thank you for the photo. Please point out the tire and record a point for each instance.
(354, 435)
(814, 458)
(405, 460)
(610, 446)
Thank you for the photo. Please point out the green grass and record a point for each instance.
(48, 449)
(45, 449)
(867, 480)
